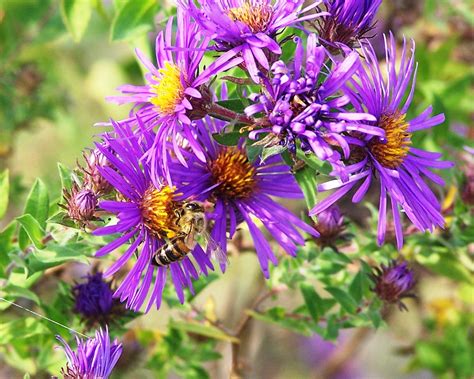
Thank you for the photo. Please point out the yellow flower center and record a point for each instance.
(256, 16)
(234, 172)
(392, 151)
(169, 90)
(158, 211)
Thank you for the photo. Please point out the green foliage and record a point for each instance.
(76, 15)
(132, 19)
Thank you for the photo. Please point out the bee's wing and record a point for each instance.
(215, 249)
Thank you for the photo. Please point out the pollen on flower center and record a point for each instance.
(169, 90)
(235, 174)
(157, 208)
(256, 16)
(391, 151)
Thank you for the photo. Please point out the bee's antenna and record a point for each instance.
(44, 317)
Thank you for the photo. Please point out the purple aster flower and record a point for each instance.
(299, 107)
(249, 27)
(94, 302)
(176, 91)
(94, 358)
(398, 168)
(241, 192)
(393, 282)
(330, 226)
(146, 218)
(348, 20)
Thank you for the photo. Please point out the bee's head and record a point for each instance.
(194, 206)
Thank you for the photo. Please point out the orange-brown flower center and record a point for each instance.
(158, 211)
(256, 15)
(235, 174)
(391, 151)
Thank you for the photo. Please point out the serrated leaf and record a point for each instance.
(76, 15)
(132, 19)
(33, 229)
(343, 298)
(204, 330)
(312, 301)
(4, 191)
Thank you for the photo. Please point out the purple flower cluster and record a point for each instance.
(179, 195)
(94, 358)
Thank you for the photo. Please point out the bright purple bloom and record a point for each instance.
(241, 191)
(176, 90)
(249, 27)
(301, 108)
(93, 359)
(145, 214)
(398, 168)
(348, 21)
(393, 282)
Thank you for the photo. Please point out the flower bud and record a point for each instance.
(393, 282)
(330, 226)
(80, 203)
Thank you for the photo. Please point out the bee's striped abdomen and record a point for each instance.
(173, 251)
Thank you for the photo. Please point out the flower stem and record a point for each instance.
(227, 114)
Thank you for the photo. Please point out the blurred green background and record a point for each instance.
(57, 65)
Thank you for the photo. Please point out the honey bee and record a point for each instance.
(191, 222)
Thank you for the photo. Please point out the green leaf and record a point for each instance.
(343, 298)
(76, 15)
(132, 19)
(253, 151)
(33, 230)
(357, 286)
(203, 330)
(312, 161)
(12, 292)
(6, 244)
(4, 191)
(37, 205)
(54, 255)
(312, 300)
(306, 178)
(228, 139)
(235, 105)
(66, 176)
